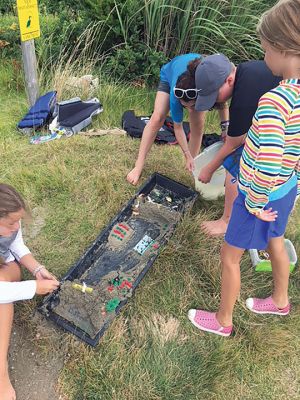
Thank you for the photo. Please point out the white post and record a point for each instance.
(30, 70)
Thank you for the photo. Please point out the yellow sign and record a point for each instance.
(28, 13)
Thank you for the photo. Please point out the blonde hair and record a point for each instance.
(280, 26)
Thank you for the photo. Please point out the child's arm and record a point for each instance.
(182, 141)
(223, 111)
(34, 267)
(268, 130)
(18, 247)
(15, 291)
(25, 258)
(230, 145)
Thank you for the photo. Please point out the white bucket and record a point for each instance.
(215, 187)
(265, 264)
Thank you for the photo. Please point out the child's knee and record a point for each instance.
(10, 272)
(158, 119)
(15, 271)
(230, 258)
(229, 262)
(18, 274)
(276, 247)
(230, 265)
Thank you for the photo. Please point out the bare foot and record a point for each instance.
(134, 176)
(214, 228)
(7, 392)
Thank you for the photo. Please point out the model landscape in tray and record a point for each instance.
(89, 302)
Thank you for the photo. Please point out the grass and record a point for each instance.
(204, 26)
(151, 351)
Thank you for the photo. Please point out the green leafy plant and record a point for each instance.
(135, 37)
(138, 63)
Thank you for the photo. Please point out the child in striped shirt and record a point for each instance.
(269, 179)
(12, 249)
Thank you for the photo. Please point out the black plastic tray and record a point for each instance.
(75, 272)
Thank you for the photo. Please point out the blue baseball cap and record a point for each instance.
(210, 75)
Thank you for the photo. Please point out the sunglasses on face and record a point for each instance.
(189, 93)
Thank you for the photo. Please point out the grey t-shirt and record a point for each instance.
(13, 247)
(5, 243)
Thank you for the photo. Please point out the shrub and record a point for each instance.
(56, 31)
(136, 37)
(9, 37)
(7, 6)
(138, 63)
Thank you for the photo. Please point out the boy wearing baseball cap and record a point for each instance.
(218, 80)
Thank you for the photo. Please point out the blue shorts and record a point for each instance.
(232, 162)
(245, 231)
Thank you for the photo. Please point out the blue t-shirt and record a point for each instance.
(170, 73)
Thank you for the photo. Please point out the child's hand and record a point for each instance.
(134, 175)
(43, 273)
(267, 215)
(189, 162)
(45, 286)
(205, 175)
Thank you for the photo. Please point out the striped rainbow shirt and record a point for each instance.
(270, 163)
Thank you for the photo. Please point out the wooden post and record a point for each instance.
(30, 70)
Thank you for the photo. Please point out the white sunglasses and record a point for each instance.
(190, 93)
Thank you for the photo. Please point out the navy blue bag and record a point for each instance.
(39, 114)
(134, 126)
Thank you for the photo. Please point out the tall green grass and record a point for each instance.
(205, 26)
(154, 29)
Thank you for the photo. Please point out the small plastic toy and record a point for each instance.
(264, 264)
(83, 288)
(112, 304)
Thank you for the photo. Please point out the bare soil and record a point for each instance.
(34, 373)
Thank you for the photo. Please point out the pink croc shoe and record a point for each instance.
(266, 306)
(207, 321)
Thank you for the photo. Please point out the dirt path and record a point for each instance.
(34, 372)
(35, 357)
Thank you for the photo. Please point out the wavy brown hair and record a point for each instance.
(187, 79)
(10, 200)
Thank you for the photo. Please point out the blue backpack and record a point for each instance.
(39, 114)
